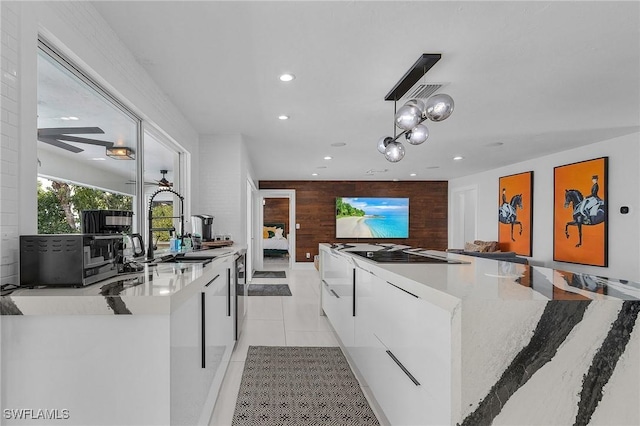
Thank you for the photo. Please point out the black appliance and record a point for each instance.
(67, 260)
(202, 225)
(401, 256)
(107, 221)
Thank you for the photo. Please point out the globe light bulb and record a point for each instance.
(418, 103)
(417, 135)
(394, 152)
(383, 142)
(439, 107)
(407, 117)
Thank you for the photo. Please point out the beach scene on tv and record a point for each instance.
(372, 217)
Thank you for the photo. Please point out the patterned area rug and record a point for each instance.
(288, 385)
(269, 290)
(269, 274)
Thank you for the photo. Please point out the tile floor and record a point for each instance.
(276, 321)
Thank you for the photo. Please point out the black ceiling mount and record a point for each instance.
(411, 77)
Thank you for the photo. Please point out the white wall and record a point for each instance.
(76, 29)
(624, 190)
(224, 170)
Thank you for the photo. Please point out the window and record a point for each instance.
(87, 145)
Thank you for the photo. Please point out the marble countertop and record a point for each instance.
(487, 279)
(155, 290)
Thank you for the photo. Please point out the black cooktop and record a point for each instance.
(400, 256)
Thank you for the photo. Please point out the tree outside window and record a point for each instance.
(60, 205)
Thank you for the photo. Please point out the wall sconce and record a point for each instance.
(121, 153)
(410, 116)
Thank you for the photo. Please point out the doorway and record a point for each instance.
(277, 212)
(463, 216)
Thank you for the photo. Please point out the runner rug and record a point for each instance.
(288, 385)
(269, 274)
(269, 290)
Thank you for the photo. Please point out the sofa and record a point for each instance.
(489, 250)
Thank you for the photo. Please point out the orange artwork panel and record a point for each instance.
(515, 213)
(580, 218)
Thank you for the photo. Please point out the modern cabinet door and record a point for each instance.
(416, 336)
(220, 306)
(338, 280)
(190, 379)
(397, 345)
(202, 338)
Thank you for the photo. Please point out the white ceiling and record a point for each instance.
(539, 77)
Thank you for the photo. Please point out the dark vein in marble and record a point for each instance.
(111, 293)
(605, 361)
(555, 324)
(9, 307)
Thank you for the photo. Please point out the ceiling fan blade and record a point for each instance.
(85, 140)
(56, 131)
(59, 144)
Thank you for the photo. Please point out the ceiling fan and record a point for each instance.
(57, 136)
(162, 183)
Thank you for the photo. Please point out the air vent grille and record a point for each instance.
(423, 90)
(371, 172)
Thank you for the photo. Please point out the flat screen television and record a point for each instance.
(361, 217)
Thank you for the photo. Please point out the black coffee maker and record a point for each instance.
(107, 221)
(202, 225)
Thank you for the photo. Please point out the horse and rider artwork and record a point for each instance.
(515, 213)
(580, 212)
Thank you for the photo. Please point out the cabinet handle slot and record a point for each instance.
(214, 278)
(408, 292)
(203, 336)
(403, 368)
(354, 291)
(334, 293)
(228, 292)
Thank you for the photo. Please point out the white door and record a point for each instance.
(463, 216)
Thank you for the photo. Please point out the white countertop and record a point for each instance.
(155, 290)
(486, 279)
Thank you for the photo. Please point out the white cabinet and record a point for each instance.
(402, 350)
(338, 277)
(202, 338)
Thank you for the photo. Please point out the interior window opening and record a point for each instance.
(87, 148)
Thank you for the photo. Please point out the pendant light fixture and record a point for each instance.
(414, 112)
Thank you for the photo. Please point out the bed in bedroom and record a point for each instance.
(275, 241)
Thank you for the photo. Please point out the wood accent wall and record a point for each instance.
(316, 201)
(276, 210)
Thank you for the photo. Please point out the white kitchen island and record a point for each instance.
(147, 348)
(485, 342)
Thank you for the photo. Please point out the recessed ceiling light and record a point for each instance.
(314, 174)
(64, 118)
(287, 77)
(328, 157)
(74, 118)
(283, 117)
(338, 144)
(98, 159)
(458, 158)
(413, 174)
